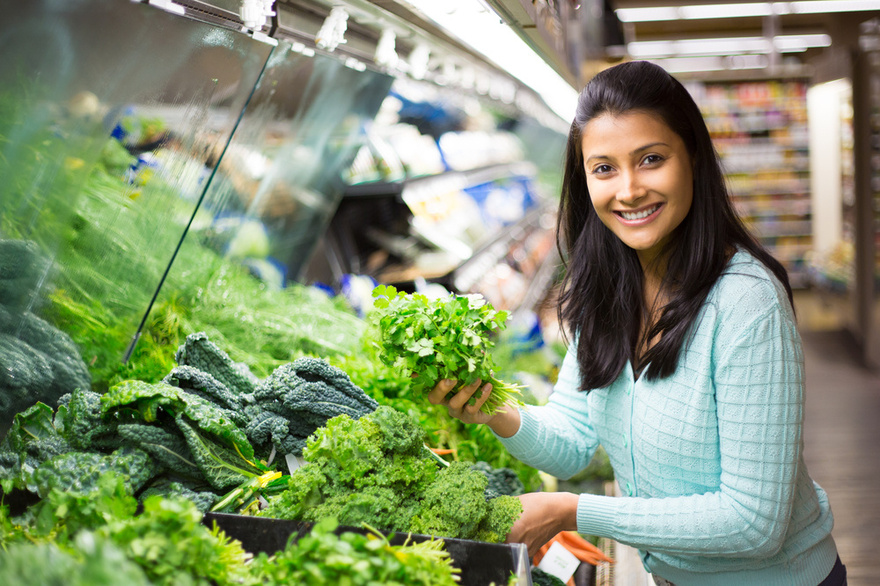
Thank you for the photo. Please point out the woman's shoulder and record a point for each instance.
(748, 285)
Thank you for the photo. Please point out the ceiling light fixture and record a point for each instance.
(726, 46)
(748, 9)
(482, 29)
(713, 63)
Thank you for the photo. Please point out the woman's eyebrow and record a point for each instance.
(633, 152)
(648, 146)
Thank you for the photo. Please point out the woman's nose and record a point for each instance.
(631, 188)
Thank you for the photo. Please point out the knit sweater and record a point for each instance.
(709, 459)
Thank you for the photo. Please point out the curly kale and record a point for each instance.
(376, 470)
(454, 504)
(201, 353)
(307, 393)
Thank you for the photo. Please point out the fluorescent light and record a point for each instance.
(482, 29)
(726, 46)
(714, 63)
(821, 6)
(724, 10)
(748, 9)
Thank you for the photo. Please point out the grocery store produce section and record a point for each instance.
(191, 355)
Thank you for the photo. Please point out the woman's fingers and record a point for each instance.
(437, 395)
(484, 396)
(460, 399)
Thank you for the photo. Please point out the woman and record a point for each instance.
(685, 363)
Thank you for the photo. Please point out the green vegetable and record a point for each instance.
(95, 561)
(376, 470)
(115, 157)
(78, 472)
(214, 444)
(542, 578)
(501, 480)
(163, 487)
(84, 424)
(22, 268)
(168, 448)
(33, 439)
(204, 385)
(391, 386)
(41, 363)
(323, 558)
(447, 338)
(202, 354)
(167, 540)
(299, 397)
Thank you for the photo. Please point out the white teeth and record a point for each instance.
(639, 215)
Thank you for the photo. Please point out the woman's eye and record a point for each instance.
(653, 159)
(601, 170)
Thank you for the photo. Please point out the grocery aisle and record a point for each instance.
(841, 435)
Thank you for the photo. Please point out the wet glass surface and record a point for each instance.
(116, 158)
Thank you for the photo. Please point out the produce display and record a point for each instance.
(122, 436)
(98, 538)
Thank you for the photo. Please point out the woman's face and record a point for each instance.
(640, 178)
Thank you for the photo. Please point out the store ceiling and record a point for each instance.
(842, 27)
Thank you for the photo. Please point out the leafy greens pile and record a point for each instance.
(376, 470)
(446, 338)
(209, 432)
(101, 539)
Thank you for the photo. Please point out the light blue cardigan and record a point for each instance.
(710, 459)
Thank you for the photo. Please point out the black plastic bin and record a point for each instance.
(480, 563)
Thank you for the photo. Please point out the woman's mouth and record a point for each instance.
(639, 216)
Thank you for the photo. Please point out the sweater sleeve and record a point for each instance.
(557, 438)
(758, 378)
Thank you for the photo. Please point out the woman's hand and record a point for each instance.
(458, 404)
(544, 515)
(504, 422)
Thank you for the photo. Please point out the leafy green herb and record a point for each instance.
(447, 338)
(323, 558)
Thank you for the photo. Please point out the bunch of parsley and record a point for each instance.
(446, 338)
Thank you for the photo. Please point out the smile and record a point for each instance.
(640, 215)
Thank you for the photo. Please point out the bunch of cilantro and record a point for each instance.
(446, 338)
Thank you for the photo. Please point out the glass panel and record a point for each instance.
(112, 118)
(277, 187)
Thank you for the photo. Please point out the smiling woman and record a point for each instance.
(686, 363)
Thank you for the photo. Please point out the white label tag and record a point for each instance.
(559, 562)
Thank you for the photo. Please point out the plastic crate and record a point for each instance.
(481, 563)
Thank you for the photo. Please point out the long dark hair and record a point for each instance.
(601, 295)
